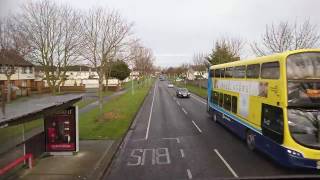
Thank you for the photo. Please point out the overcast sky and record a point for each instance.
(176, 29)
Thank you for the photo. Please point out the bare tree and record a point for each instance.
(53, 34)
(200, 64)
(285, 36)
(144, 61)
(12, 45)
(104, 34)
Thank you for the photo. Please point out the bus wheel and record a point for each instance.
(250, 139)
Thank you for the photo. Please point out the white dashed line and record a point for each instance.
(178, 103)
(154, 92)
(189, 174)
(226, 163)
(203, 102)
(184, 111)
(182, 153)
(197, 126)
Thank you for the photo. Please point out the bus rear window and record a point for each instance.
(270, 70)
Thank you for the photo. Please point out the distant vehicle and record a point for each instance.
(170, 85)
(273, 103)
(178, 79)
(182, 92)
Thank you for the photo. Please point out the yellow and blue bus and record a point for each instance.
(273, 103)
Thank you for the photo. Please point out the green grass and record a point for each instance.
(85, 102)
(202, 92)
(116, 117)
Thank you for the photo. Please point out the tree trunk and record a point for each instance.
(8, 89)
(100, 94)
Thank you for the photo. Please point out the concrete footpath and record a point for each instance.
(90, 163)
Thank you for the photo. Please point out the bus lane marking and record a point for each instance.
(226, 163)
(153, 156)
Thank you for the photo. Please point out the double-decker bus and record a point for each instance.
(273, 103)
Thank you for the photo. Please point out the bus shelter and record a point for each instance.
(30, 128)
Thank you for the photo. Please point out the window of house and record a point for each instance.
(234, 104)
(30, 69)
(270, 70)
(239, 71)
(228, 72)
(253, 71)
(227, 102)
(24, 70)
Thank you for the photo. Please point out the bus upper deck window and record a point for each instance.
(239, 72)
(253, 71)
(228, 72)
(217, 73)
(270, 70)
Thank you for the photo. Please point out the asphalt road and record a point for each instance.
(175, 139)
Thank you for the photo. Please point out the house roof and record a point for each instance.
(11, 57)
(70, 68)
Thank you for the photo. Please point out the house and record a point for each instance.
(20, 72)
(194, 74)
(135, 75)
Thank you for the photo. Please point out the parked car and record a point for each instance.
(170, 85)
(182, 92)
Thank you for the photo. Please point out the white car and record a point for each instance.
(170, 85)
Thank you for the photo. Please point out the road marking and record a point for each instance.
(189, 174)
(226, 163)
(178, 103)
(197, 126)
(156, 156)
(203, 102)
(154, 92)
(184, 111)
(177, 139)
(182, 153)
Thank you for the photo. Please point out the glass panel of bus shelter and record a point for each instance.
(11, 136)
(303, 75)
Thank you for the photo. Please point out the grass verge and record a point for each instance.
(116, 117)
